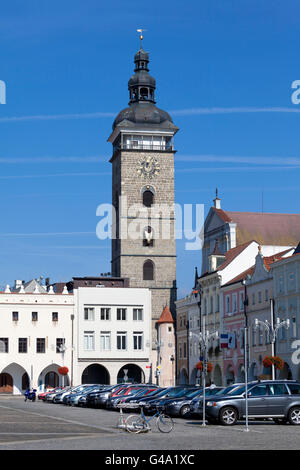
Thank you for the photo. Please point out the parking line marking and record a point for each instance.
(59, 419)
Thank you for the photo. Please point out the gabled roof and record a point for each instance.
(266, 228)
(268, 260)
(229, 256)
(166, 316)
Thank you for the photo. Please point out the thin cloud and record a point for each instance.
(258, 160)
(46, 234)
(235, 110)
(52, 175)
(176, 112)
(214, 169)
(63, 159)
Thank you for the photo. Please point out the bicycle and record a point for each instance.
(136, 424)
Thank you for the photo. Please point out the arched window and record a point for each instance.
(148, 236)
(148, 270)
(148, 198)
(144, 93)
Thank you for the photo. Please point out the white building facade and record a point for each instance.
(36, 336)
(114, 335)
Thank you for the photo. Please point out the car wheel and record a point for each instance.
(294, 416)
(228, 416)
(184, 410)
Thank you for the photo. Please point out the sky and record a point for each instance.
(224, 70)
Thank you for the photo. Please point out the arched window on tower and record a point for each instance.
(148, 236)
(148, 270)
(148, 198)
(144, 94)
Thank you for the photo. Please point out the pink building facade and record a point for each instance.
(233, 323)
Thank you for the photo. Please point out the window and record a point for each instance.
(234, 303)
(258, 391)
(4, 345)
(217, 303)
(241, 301)
(266, 295)
(259, 297)
(260, 335)
(60, 345)
(121, 340)
(105, 314)
(22, 345)
(294, 389)
(40, 345)
(89, 313)
(280, 284)
(54, 316)
(278, 389)
(15, 316)
(242, 338)
(294, 328)
(105, 341)
(180, 352)
(148, 198)
(148, 270)
(148, 236)
(89, 341)
(291, 281)
(137, 340)
(184, 349)
(211, 304)
(253, 299)
(34, 316)
(227, 301)
(138, 314)
(121, 313)
(253, 335)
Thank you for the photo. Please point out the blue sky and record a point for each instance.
(224, 70)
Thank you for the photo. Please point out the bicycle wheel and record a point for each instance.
(136, 424)
(164, 423)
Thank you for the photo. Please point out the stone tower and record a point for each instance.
(143, 178)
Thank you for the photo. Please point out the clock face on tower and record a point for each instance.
(148, 167)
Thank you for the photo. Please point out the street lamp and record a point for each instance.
(204, 339)
(272, 330)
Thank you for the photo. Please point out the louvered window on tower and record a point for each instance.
(148, 198)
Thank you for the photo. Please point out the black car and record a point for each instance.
(172, 393)
(181, 406)
(277, 399)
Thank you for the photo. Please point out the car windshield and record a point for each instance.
(227, 390)
(164, 392)
(176, 393)
(237, 391)
(155, 392)
(194, 393)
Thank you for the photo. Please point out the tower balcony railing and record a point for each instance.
(144, 146)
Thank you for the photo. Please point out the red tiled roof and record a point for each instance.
(166, 316)
(268, 260)
(266, 228)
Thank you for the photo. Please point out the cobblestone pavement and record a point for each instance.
(47, 426)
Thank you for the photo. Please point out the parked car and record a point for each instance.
(169, 394)
(79, 389)
(98, 399)
(49, 396)
(142, 395)
(130, 391)
(181, 406)
(279, 400)
(196, 405)
(75, 397)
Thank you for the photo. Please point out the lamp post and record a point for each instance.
(272, 330)
(204, 338)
